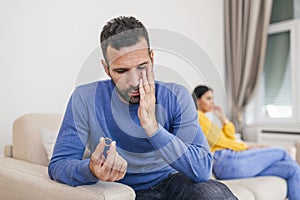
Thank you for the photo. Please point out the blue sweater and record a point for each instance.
(95, 111)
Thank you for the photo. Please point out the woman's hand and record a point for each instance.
(255, 146)
(219, 113)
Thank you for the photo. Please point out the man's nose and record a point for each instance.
(134, 78)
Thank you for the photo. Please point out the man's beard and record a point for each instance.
(126, 94)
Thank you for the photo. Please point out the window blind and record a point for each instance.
(277, 70)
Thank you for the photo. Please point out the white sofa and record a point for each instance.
(23, 171)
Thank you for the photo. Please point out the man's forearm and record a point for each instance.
(72, 172)
(194, 160)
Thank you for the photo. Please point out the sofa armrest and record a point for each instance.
(21, 180)
(8, 151)
(298, 151)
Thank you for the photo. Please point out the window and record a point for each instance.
(282, 10)
(278, 95)
(277, 77)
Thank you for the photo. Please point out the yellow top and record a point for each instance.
(217, 138)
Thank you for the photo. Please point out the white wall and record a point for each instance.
(43, 45)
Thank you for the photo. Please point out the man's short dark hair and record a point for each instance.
(122, 32)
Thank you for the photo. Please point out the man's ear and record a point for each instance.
(151, 54)
(105, 66)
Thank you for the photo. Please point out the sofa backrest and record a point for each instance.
(27, 142)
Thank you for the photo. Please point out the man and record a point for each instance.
(156, 145)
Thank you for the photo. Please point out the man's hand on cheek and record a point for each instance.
(146, 111)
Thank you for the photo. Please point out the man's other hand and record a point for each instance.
(111, 168)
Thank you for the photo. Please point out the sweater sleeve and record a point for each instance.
(229, 130)
(66, 165)
(211, 131)
(217, 138)
(186, 148)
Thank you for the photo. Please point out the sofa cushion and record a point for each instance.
(241, 192)
(262, 187)
(22, 180)
(27, 142)
(48, 140)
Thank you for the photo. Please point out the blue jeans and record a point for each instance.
(179, 187)
(230, 164)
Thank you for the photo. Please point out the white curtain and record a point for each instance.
(246, 29)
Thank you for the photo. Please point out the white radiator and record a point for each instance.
(277, 136)
(272, 135)
(286, 137)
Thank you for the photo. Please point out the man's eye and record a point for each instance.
(120, 71)
(141, 67)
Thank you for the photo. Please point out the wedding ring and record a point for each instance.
(107, 141)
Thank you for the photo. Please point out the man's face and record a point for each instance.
(125, 69)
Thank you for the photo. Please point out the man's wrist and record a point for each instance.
(150, 130)
(88, 172)
(91, 169)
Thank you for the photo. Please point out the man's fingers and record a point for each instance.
(115, 172)
(144, 77)
(114, 166)
(123, 168)
(119, 169)
(111, 156)
(150, 74)
(98, 153)
(150, 77)
(120, 173)
(145, 82)
(141, 90)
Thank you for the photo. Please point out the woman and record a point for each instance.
(234, 159)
